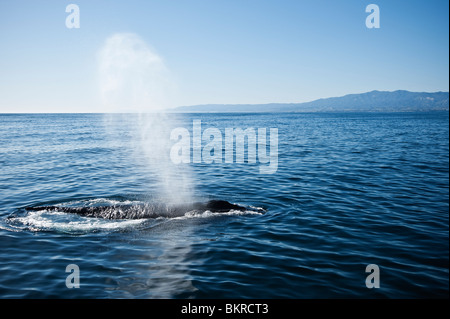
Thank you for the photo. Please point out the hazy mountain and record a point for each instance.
(374, 101)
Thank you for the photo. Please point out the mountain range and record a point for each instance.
(374, 101)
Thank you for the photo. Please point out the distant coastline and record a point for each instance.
(374, 101)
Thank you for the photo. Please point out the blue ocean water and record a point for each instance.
(350, 190)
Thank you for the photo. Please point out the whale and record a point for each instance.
(147, 210)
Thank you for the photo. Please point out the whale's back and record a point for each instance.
(139, 211)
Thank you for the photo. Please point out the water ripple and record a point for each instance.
(350, 190)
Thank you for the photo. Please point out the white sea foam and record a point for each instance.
(70, 223)
(207, 214)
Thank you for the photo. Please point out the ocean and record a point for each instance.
(349, 190)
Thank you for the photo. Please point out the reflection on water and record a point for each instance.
(159, 268)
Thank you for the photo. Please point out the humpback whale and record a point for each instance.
(140, 211)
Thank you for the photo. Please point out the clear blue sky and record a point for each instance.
(233, 51)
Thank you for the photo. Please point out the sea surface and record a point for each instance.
(350, 190)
